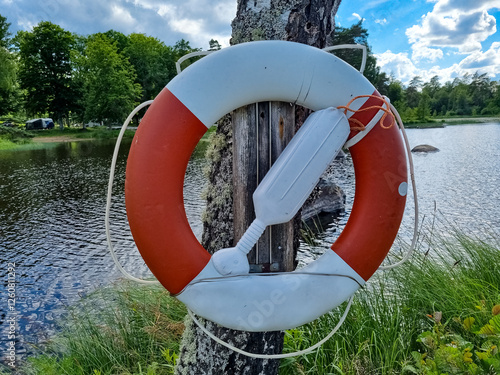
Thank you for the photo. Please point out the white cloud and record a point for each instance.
(381, 21)
(121, 15)
(356, 15)
(26, 24)
(484, 62)
(421, 52)
(404, 69)
(187, 26)
(464, 31)
(197, 21)
(456, 26)
(397, 64)
(465, 6)
(225, 11)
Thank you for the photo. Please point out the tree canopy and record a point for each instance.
(8, 78)
(357, 34)
(4, 32)
(100, 77)
(110, 91)
(45, 69)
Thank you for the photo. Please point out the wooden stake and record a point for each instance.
(260, 133)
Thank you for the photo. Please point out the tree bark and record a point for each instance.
(305, 21)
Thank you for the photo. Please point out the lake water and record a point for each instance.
(52, 211)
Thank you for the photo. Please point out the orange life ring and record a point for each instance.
(168, 134)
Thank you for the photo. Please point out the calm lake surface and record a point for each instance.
(52, 203)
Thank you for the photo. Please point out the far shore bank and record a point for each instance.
(59, 139)
(440, 122)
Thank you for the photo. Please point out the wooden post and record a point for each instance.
(260, 133)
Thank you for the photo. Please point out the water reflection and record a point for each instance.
(52, 204)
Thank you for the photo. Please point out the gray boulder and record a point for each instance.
(326, 198)
(424, 148)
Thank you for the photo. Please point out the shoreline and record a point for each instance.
(59, 139)
(441, 122)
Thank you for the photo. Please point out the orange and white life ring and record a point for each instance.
(173, 125)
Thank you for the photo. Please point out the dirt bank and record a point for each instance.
(59, 138)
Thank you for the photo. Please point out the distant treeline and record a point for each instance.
(78, 79)
(471, 95)
(101, 77)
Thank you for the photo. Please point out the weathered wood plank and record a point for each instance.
(281, 247)
(244, 171)
(261, 133)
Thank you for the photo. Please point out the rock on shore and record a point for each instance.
(424, 148)
(326, 197)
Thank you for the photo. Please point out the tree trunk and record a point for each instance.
(231, 183)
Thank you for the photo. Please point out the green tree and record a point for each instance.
(480, 91)
(395, 91)
(460, 100)
(8, 97)
(413, 92)
(357, 34)
(432, 86)
(121, 40)
(110, 91)
(8, 84)
(182, 47)
(153, 62)
(493, 106)
(45, 70)
(424, 107)
(214, 45)
(396, 94)
(4, 32)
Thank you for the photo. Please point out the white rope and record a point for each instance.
(363, 133)
(351, 46)
(110, 192)
(188, 56)
(414, 188)
(274, 356)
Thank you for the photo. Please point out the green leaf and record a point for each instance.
(495, 322)
(410, 369)
(487, 329)
(468, 322)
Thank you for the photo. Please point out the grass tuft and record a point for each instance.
(458, 279)
(126, 329)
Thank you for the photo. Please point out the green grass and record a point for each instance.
(459, 278)
(100, 132)
(126, 329)
(133, 329)
(11, 138)
(7, 145)
(441, 122)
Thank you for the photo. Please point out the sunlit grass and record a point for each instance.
(458, 277)
(134, 329)
(129, 329)
(100, 132)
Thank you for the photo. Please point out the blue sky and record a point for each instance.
(447, 38)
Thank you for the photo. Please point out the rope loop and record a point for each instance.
(355, 124)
